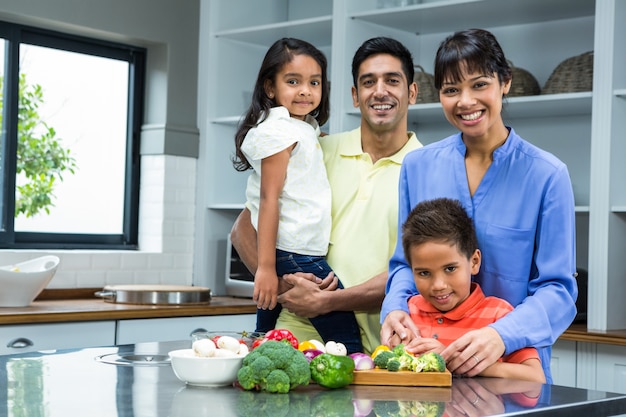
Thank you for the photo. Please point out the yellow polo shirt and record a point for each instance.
(364, 223)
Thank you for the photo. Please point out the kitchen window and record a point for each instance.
(70, 120)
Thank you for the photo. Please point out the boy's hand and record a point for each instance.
(421, 345)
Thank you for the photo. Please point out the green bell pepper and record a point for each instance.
(332, 371)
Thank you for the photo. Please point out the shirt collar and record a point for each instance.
(351, 146)
(475, 297)
(502, 151)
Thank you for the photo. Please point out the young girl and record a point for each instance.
(288, 192)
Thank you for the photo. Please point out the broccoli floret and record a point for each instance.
(274, 367)
(386, 408)
(277, 381)
(382, 358)
(430, 362)
(404, 362)
(298, 371)
(399, 350)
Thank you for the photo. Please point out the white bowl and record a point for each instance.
(22, 282)
(204, 371)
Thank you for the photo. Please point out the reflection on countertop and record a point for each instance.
(75, 383)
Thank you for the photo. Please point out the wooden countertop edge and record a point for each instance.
(80, 305)
(58, 306)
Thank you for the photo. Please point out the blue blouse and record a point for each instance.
(523, 212)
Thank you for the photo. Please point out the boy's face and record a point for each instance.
(443, 274)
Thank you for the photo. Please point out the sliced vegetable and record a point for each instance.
(311, 353)
(362, 362)
(380, 348)
(318, 345)
(306, 345)
(336, 348)
(282, 334)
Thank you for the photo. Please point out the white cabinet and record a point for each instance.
(35, 337)
(584, 129)
(611, 368)
(179, 328)
(563, 363)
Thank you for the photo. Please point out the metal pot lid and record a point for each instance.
(154, 294)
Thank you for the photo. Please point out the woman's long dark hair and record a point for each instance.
(279, 54)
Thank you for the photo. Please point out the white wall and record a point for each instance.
(170, 136)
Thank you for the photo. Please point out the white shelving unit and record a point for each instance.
(584, 129)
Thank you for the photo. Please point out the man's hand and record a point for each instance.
(306, 296)
(398, 328)
(473, 352)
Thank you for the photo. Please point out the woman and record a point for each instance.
(520, 198)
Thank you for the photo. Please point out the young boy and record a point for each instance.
(440, 245)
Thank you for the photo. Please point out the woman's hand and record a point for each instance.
(398, 328)
(470, 398)
(473, 352)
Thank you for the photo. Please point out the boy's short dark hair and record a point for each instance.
(441, 220)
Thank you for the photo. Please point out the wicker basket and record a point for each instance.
(572, 75)
(523, 83)
(426, 86)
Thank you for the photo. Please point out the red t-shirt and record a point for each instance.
(476, 312)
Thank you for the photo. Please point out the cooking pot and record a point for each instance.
(155, 294)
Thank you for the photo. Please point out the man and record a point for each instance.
(363, 168)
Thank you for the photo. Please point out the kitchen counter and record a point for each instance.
(80, 382)
(57, 306)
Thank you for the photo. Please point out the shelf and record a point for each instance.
(317, 30)
(618, 209)
(549, 105)
(437, 17)
(229, 120)
(581, 209)
(620, 93)
(226, 206)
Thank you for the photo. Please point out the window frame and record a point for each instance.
(14, 35)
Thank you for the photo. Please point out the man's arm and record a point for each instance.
(243, 238)
(307, 299)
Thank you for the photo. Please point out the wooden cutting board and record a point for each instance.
(404, 378)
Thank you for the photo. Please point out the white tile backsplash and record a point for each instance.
(166, 235)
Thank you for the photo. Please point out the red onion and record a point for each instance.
(362, 362)
(311, 353)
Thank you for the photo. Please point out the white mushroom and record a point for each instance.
(204, 348)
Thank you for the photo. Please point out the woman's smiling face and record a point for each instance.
(474, 104)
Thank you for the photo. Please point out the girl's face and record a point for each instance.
(442, 274)
(298, 86)
(474, 105)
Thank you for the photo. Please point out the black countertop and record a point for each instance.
(81, 382)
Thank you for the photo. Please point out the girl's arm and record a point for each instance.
(528, 370)
(273, 173)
